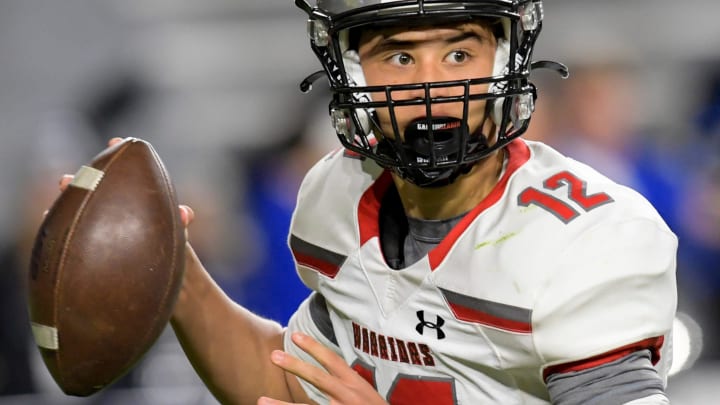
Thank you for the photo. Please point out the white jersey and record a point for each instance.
(558, 269)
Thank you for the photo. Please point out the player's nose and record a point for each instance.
(430, 81)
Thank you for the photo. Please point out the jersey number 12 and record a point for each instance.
(413, 390)
(562, 209)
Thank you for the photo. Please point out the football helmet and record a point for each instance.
(433, 150)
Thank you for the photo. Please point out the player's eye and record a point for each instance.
(457, 56)
(401, 58)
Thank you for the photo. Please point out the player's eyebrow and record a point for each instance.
(389, 43)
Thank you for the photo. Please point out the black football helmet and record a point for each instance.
(432, 151)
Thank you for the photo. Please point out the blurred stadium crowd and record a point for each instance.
(213, 85)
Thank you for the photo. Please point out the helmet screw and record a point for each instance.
(524, 107)
(531, 15)
(318, 32)
(341, 122)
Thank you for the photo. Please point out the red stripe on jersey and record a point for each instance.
(652, 344)
(369, 207)
(464, 313)
(518, 154)
(321, 266)
(364, 372)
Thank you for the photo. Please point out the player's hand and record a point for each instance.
(341, 384)
(186, 213)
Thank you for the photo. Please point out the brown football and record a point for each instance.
(106, 268)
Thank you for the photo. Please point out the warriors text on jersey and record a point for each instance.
(557, 270)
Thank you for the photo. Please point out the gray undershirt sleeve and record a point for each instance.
(626, 379)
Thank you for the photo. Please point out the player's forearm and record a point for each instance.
(228, 346)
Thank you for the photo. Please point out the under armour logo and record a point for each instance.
(427, 324)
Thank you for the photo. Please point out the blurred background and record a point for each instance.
(214, 86)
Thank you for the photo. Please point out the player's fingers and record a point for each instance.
(308, 372)
(114, 140)
(65, 181)
(186, 214)
(270, 401)
(333, 363)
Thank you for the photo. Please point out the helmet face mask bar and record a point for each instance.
(433, 150)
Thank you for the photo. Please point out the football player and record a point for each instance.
(450, 260)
